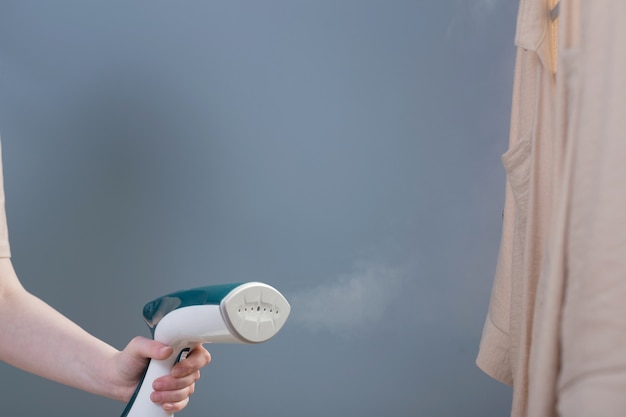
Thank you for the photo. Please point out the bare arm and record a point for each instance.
(38, 339)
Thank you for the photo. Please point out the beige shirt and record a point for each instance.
(556, 328)
(5, 251)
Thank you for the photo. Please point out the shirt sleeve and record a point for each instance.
(5, 251)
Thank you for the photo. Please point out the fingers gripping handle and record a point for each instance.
(141, 405)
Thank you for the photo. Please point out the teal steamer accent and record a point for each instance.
(250, 312)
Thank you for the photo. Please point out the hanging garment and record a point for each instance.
(556, 328)
(507, 336)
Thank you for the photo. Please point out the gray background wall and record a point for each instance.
(344, 151)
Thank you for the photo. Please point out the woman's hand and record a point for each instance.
(170, 391)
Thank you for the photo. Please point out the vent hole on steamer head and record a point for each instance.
(258, 309)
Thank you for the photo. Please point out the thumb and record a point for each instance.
(131, 362)
(143, 348)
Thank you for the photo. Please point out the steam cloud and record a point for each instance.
(353, 300)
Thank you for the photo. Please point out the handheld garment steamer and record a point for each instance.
(250, 312)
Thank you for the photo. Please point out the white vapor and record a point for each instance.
(354, 300)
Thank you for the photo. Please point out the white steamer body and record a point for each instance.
(251, 312)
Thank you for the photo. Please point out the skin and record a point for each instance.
(48, 344)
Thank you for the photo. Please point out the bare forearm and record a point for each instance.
(40, 340)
